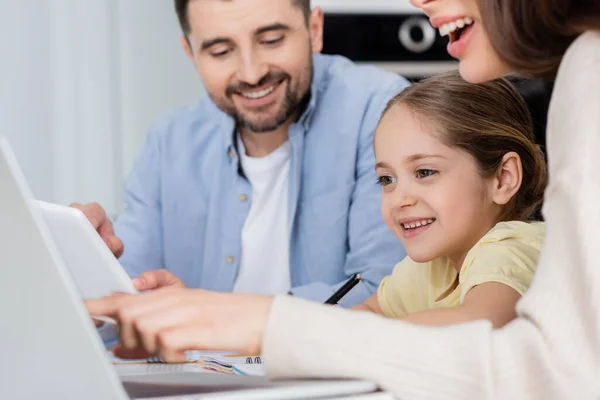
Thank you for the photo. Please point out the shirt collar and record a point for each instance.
(315, 91)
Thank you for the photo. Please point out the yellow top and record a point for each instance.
(507, 254)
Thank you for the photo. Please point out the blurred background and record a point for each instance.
(82, 81)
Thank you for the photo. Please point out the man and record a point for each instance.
(268, 184)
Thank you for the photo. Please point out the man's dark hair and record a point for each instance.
(181, 7)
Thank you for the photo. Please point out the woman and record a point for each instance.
(552, 349)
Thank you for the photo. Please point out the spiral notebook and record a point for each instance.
(208, 361)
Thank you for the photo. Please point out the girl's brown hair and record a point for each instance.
(487, 120)
(531, 36)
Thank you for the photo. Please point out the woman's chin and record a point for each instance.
(478, 71)
(474, 73)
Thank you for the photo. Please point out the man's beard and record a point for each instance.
(293, 101)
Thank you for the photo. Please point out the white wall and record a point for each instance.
(25, 89)
(80, 83)
(155, 72)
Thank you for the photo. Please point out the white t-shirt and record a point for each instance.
(265, 264)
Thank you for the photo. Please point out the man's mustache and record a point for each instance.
(271, 77)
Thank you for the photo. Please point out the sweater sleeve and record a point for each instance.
(469, 361)
(552, 349)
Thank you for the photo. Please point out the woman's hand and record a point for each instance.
(168, 321)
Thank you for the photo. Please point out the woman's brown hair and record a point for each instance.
(531, 36)
(487, 120)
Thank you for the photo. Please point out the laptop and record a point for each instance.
(51, 348)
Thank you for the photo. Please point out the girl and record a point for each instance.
(461, 179)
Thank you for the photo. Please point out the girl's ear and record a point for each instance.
(508, 179)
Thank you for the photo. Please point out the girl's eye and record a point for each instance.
(424, 173)
(385, 180)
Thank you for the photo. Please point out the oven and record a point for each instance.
(391, 34)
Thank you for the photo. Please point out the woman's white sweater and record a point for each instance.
(551, 351)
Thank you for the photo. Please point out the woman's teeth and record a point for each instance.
(418, 224)
(260, 93)
(460, 23)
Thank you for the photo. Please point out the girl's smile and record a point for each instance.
(413, 227)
